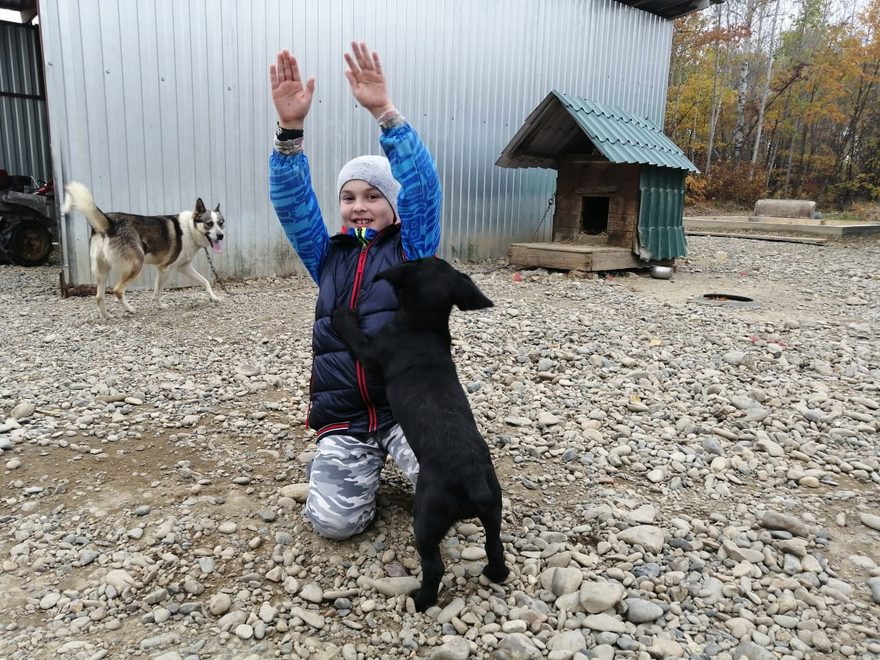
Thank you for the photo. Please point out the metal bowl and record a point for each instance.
(660, 272)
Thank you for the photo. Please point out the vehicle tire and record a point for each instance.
(30, 243)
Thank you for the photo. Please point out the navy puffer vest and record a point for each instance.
(344, 398)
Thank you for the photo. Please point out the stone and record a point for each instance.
(788, 522)
(874, 586)
(597, 597)
(639, 610)
(649, 537)
(561, 581)
(453, 649)
(870, 520)
(604, 623)
(570, 641)
(296, 492)
(517, 646)
(665, 648)
(396, 586)
(219, 604)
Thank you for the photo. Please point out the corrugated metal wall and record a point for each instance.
(24, 128)
(157, 101)
(661, 227)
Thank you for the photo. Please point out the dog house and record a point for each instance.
(619, 194)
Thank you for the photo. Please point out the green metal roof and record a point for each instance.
(549, 134)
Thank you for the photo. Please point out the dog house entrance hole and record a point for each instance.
(594, 215)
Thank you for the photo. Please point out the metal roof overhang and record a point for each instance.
(26, 8)
(670, 9)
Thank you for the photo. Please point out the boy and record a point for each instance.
(390, 212)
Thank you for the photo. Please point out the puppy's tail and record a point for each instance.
(77, 197)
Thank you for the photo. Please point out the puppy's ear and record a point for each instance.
(396, 275)
(217, 209)
(467, 296)
(200, 206)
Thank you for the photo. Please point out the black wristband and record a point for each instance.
(285, 134)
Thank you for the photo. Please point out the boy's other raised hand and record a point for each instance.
(291, 97)
(367, 80)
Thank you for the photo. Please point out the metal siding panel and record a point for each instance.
(206, 129)
(24, 135)
(661, 227)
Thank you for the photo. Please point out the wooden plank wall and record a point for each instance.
(620, 183)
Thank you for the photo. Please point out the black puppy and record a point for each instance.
(456, 478)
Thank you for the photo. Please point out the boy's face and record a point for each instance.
(364, 206)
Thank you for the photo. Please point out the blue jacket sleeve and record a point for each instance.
(290, 189)
(418, 202)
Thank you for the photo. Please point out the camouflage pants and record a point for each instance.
(344, 480)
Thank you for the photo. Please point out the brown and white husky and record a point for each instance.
(125, 242)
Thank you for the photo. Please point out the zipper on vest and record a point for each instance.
(359, 276)
(372, 418)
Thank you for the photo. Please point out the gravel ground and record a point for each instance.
(681, 479)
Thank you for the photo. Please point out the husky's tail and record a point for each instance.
(77, 197)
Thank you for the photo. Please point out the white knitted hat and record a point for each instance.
(375, 170)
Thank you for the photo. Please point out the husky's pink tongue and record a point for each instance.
(217, 246)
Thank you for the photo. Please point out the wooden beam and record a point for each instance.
(761, 237)
(565, 256)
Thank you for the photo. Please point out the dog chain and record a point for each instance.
(550, 203)
(216, 276)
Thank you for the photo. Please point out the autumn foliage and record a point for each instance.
(771, 98)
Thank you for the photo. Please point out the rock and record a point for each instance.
(751, 651)
(665, 648)
(597, 597)
(570, 641)
(50, 600)
(561, 581)
(312, 593)
(870, 520)
(396, 586)
(604, 623)
(267, 613)
(874, 586)
(310, 618)
(453, 649)
(451, 611)
(119, 579)
(788, 522)
(518, 646)
(219, 604)
(547, 419)
(649, 537)
(742, 554)
(639, 610)
(244, 631)
(23, 410)
(473, 553)
(735, 358)
(645, 514)
(296, 492)
(740, 627)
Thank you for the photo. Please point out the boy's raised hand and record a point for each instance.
(291, 97)
(367, 80)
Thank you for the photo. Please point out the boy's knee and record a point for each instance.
(336, 530)
(335, 526)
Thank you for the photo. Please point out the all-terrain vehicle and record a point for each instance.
(27, 220)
